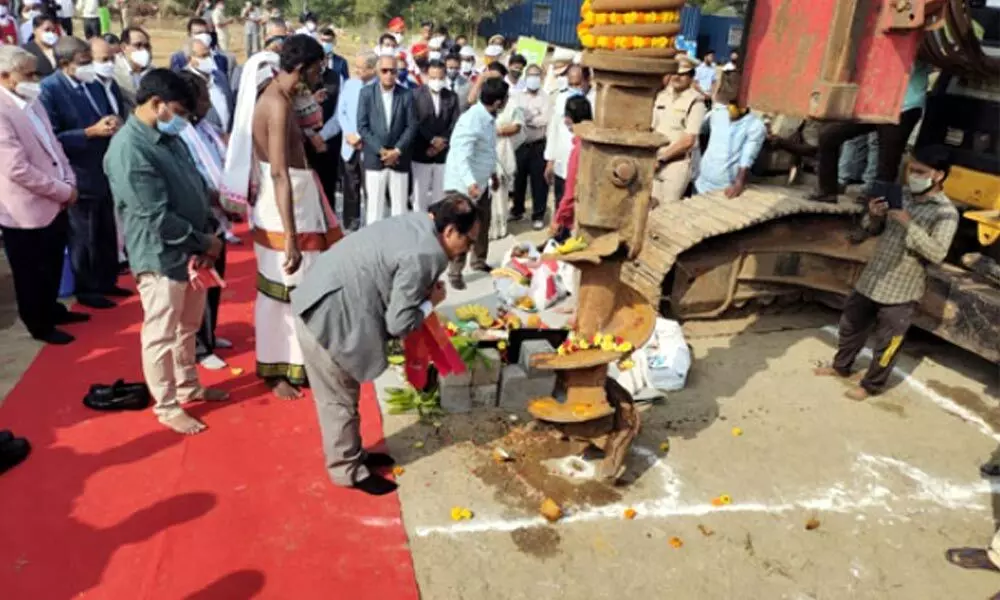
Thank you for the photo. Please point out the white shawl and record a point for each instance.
(239, 170)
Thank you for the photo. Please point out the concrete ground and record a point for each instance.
(889, 484)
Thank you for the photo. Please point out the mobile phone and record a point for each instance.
(890, 191)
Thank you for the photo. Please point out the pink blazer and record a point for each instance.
(31, 190)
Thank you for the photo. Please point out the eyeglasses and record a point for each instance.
(141, 45)
(387, 71)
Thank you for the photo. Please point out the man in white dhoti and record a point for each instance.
(292, 221)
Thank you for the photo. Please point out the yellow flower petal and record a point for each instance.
(737, 432)
(664, 446)
(398, 470)
(236, 371)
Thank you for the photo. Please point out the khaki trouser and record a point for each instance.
(670, 182)
(336, 395)
(171, 315)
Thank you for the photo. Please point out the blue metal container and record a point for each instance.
(555, 21)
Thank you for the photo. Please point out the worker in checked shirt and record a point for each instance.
(894, 280)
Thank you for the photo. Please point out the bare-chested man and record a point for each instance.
(287, 236)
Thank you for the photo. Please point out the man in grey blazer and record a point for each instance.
(376, 284)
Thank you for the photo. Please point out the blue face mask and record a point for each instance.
(328, 47)
(403, 74)
(574, 91)
(172, 127)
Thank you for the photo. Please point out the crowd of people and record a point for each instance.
(431, 148)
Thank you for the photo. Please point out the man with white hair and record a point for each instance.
(204, 64)
(36, 185)
(352, 145)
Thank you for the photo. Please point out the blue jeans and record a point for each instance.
(858, 160)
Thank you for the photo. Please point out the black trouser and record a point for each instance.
(559, 187)
(480, 245)
(861, 317)
(892, 140)
(354, 179)
(66, 25)
(327, 167)
(93, 245)
(205, 338)
(36, 261)
(531, 167)
(91, 27)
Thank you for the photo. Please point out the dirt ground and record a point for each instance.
(891, 483)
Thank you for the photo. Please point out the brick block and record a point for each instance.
(483, 374)
(456, 398)
(518, 387)
(483, 396)
(463, 380)
(530, 348)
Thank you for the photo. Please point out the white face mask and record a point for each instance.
(434, 55)
(50, 38)
(562, 82)
(140, 58)
(105, 69)
(206, 65)
(436, 85)
(919, 185)
(467, 67)
(86, 73)
(31, 14)
(399, 37)
(533, 82)
(204, 38)
(4, 10)
(310, 26)
(29, 90)
(387, 51)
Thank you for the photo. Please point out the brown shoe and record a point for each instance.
(457, 282)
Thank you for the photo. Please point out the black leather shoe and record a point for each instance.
(69, 317)
(822, 197)
(95, 301)
(13, 453)
(55, 337)
(118, 292)
(118, 396)
(5, 436)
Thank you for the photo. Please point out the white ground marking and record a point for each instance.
(869, 491)
(919, 387)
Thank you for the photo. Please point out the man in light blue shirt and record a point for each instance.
(704, 74)
(736, 138)
(350, 150)
(472, 158)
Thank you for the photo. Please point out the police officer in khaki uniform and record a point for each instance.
(677, 114)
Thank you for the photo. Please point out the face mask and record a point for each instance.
(204, 38)
(436, 41)
(328, 47)
(140, 58)
(206, 65)
(451, 72)
(494, 50)
(31, 14)
(562, 82)
(433, 55)
(533, 83)
(515, 75)
(86, 73)
(919, 185)
(574, 91)
(403, 74)
(50, 38)
(387, 51)
(4, 11)
(467, 67)
(29, 90)
(172, 127)
(311, 26)
(105, 69)
(436, 85)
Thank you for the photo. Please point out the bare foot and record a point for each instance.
(857, 394)
(828, 372)
(284, 390)
(184, 423)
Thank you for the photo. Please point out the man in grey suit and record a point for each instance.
(387, 124)
(378, 283)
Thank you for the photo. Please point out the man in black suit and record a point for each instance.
(437, 111)
(388, 125)
(323, 154)
(44, 39)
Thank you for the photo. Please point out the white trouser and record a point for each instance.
(428, 185)
(376, 184)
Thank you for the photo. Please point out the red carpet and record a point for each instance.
(115, 506)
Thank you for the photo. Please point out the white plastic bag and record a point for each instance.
(668, 358)
(568, 274)
(547, 287)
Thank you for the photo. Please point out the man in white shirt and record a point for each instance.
(558, 137)
(704, 75)
(515, 71)
(66, 9)
(133, 63)
(91, 18)
(537, 109)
